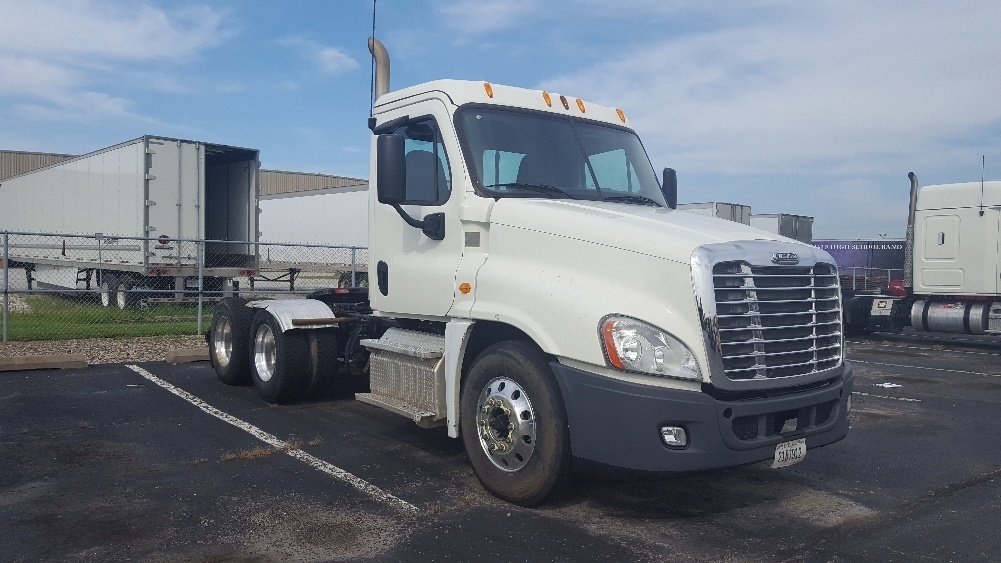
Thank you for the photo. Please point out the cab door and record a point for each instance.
(411, 274)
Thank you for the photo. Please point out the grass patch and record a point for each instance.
(52, 317)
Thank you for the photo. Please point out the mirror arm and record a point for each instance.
(433, 225)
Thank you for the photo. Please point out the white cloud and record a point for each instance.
(830, 87)
(64, 29)
(478, 16)
(329, 60)
(52, 54)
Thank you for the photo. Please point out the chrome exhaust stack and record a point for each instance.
(909, 240)
(381, 56)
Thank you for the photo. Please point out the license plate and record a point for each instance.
(788, 453)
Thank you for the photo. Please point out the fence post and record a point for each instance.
(201, 261)
(354, 266)
(6, 286)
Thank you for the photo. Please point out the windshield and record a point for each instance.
(519, 154)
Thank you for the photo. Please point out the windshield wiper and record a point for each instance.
(641, 199)
(539, 188)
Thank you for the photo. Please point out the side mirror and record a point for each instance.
(670, 187)
(391, 169)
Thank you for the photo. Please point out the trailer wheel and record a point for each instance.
(278, 360)
(109, 291)
(229, 340)
(514, 424)
(322, 369)
(125, 297)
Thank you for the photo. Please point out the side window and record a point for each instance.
(429, 180)
(613, 171)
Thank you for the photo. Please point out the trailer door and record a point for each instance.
(173, 185)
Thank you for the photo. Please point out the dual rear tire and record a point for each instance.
(247, 345)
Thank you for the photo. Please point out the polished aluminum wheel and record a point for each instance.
(505, 423)
(222, 341)
(265, 353)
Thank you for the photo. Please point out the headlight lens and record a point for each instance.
(637, 346)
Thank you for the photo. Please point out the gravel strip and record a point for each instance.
(106, 350)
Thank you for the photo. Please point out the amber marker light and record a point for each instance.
(622, 116)
(566, 104)
(465, 288)
(613, 354)
(549, 101)
(580, 105)
(489, 89)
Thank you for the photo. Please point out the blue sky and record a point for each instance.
(813, 108)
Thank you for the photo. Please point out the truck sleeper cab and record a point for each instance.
(536, 294)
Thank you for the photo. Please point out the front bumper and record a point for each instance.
(617, 423)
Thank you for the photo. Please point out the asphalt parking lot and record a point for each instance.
(163, 463)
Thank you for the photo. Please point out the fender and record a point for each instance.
(298, 313)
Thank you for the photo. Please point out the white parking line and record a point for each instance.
(927, 368)
(886, 397)
(332, 470)
(925, 348)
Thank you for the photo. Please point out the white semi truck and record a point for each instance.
(534, 291)
(134, 206)
(952, 265)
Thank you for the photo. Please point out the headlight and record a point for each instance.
(637, 346)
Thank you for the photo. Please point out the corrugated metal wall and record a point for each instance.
(13, 163)
(279, 182)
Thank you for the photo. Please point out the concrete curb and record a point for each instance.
(55, 361)
(185, 355)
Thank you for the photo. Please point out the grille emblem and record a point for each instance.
(785, 258)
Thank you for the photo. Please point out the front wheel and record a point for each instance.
(514, 424)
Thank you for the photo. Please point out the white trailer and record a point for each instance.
(730, 211)
(334, 216)
(134, 206)
(796, 227)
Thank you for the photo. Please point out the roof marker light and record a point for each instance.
(622, 116)
(566, 104)
(580, 105)
(545, 96)
(489, 89)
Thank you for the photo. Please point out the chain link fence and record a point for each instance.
(65, 286)
(869, 280)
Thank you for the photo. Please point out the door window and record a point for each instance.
(429, 180)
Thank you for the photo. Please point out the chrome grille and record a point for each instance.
(777, 321)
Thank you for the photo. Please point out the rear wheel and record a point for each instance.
(278, 360)
(322, 370)
(514, 424)
(229, 340)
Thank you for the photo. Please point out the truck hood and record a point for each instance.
(655, 231)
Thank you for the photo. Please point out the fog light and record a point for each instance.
(674, 436)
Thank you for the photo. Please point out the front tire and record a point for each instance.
(514, 424)
(229, 340)
(278, 360)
